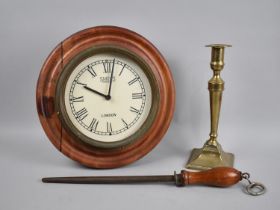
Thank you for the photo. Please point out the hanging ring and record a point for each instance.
(255, 188)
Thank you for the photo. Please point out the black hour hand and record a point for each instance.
(97, 92)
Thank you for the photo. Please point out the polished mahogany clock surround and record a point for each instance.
(69, 144)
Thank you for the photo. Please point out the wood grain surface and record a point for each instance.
(69, 144)
(219, 177)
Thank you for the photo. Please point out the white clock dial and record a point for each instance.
(105, 110)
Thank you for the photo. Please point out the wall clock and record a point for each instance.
(105, 97)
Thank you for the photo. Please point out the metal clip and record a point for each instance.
(253, 188)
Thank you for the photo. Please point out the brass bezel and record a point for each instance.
(60, 93)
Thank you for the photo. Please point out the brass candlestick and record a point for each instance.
(211, 155)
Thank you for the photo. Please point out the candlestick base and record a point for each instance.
(210, 156)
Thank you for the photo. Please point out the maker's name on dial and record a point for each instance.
(109, 115)
(107, 79)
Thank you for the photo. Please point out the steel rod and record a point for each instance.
(110, 179)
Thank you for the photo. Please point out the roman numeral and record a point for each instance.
(137, 95)
(132, 81)
(91, 71)
(82, 114)
(126, 125)
(93, 124)
(122, 70)
(132, 109)
(107, 66)
(109, 128)
(77, 99)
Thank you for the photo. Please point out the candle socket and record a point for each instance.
(211, 155)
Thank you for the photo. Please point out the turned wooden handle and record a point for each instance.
(219, 177)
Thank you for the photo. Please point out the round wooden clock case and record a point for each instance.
(49, 87)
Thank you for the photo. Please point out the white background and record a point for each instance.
(250, 115)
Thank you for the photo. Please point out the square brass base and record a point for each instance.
(209, 157)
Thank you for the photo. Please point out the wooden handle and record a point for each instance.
(219, 177)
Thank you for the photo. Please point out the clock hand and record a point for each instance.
(111, 79)
(92, 90)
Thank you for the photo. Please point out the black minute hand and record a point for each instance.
(111, 79)
(92, 90)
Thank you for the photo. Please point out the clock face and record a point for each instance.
(107, 97)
